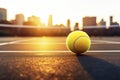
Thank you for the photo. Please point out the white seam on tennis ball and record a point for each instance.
(75, 41)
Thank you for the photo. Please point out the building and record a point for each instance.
(89, 21)
(111, 21)
(102, 23)
(50, 21)
(34, 20)
(76, 27)
(68, 23)
(3, 14)
(19, 19)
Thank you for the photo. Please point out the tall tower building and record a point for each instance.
(3, 14)
(76, 27)
(111, 20)
(50, 21)
(19, 19)
(68, 23)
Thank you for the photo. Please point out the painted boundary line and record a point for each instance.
(103, 51)
(17, 41)
(65, 51)
(33, 51)
(104, 41)
(13, 42)
(42, 43)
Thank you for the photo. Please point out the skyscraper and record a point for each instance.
(19, 19)
(89, 21)
(76, 27)
(50, 21)
(102, 23)
(68, 23)
(3, 14)
(35, 20)
(111, 20)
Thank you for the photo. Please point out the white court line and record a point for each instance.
(60, 51)
(104, 41)
(34, 51)
(13, 42)
(106, 51)
(42, 43)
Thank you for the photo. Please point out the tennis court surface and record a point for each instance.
(47, 58)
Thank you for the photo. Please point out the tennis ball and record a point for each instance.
(78, 42)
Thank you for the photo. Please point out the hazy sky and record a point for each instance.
(63, 9)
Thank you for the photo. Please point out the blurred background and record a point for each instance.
(59, 18)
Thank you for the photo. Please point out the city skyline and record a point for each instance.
(63, 9)
(36, 21)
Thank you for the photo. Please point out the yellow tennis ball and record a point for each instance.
(78, 42)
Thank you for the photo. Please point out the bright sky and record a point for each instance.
(63, 9)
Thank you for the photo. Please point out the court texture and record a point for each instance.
(47, 58)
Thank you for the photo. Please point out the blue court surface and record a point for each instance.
(47, 58)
